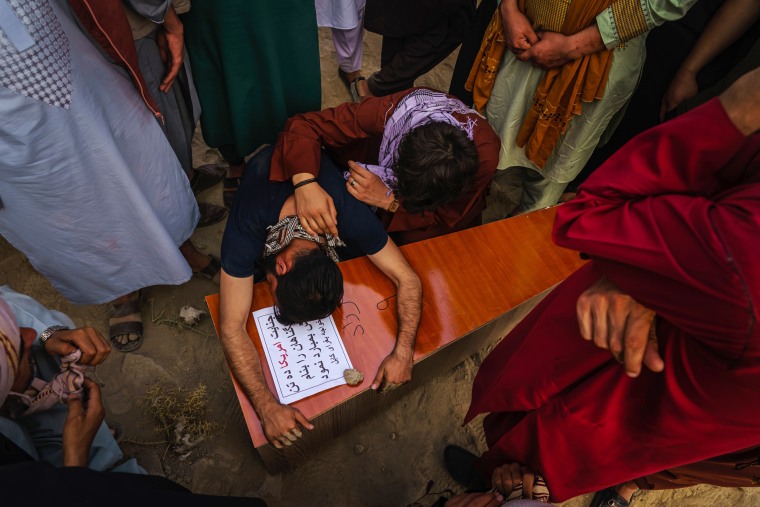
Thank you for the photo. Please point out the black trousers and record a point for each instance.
(469, 50)
(417, 36)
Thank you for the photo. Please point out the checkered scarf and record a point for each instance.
(418, 108)
(283, 232)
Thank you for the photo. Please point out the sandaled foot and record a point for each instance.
(348, 77)
(125, 325)
(358, 89)
(206, 176)
(210, 214)
(212, 271)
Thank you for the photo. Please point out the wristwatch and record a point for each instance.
(50, 332)
(394, 206)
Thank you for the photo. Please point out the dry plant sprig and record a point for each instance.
(181, 416)
(175, 323)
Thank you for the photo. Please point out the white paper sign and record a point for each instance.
(304, 359)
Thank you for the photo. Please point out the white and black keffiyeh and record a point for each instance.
(283, 232)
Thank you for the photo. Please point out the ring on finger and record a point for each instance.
(353, 183)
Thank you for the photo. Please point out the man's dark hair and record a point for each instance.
(436, 164)
(310, 290)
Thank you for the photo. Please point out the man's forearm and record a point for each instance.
(246, 367)
(409, 308)
(586, 42)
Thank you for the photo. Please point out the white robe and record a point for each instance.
(92, 192)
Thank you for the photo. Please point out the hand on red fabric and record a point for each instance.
(81, 425)
(396, 369)
(367, 187)
(282, 424)
(171, 43)
(517, 28)
(614, 321)
(94, 347)
(552, 50)
(488, 499)
(683, 87)
(315, 209)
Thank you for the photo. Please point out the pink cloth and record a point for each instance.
(41, 396)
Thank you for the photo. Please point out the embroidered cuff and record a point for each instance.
(622, 21)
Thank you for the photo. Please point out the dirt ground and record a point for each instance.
(387, 461)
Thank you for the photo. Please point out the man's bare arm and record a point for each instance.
(397, 367)
(280, 422)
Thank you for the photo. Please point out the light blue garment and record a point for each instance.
(41, 435)
(93, 194)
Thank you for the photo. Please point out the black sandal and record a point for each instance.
(210, 214)
(206, 176)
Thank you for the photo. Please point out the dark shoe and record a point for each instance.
(460, 463)
(608, 498)
(206, 176)
(211, 271)
(210, 214)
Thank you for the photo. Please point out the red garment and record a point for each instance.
(354, 132)
(673, 218)
(107, 22)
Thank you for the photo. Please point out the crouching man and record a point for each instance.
(43, 361)
(264, 239)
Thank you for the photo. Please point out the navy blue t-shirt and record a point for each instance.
(258, 203)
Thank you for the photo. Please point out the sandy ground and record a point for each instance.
(386, 461)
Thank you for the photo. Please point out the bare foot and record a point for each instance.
(199, 262)
(235, 170)
(350, 76)
(626, 490)
(362, 89)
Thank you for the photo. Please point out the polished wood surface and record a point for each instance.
(470, 278)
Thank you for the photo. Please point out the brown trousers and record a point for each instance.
(739, 470)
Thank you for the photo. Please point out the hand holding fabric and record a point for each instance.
(94, 347)
(614, 321)
(517, 28)
(316, 210)
(367, 187)
(282, 424)
(82, 423)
